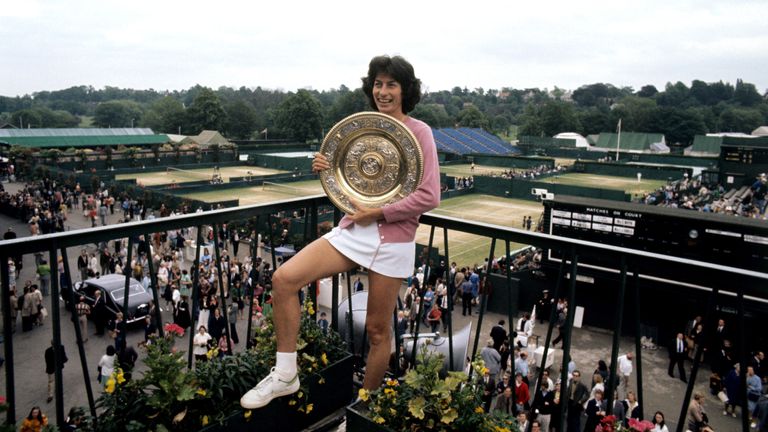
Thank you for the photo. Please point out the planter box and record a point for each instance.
(327, 398)
(357, 421)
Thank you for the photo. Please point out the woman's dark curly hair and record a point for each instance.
(402, 72)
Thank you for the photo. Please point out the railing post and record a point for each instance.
(335, 286)
(127, 288)
(56, 321)
(195, 292)
(611, 384)
(745, 414)
(223, 298)
(638, 346)
(155, 287)
(10, 383)
(254, 248)
(483, 304)
(564, 387)
(681, 424)
(309, 238)
(78, 334)
(450, 292)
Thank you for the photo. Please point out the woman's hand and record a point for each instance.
(364, 216)
(320, 163)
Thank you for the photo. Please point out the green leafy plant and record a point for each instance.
(169, 397)
(430, 400)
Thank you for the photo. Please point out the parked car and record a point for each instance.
(112, 287)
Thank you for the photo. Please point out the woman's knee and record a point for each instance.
(378, 334)
(284, 283)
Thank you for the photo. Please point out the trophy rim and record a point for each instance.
(335, 147)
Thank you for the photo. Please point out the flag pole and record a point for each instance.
(618, 140)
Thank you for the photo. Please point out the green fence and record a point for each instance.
(521, 189)
(651, 172)
(523, 162)
(670, 159)
(296, 164)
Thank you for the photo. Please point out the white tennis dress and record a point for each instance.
(362, 244)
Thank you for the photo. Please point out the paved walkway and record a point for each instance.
(589, 345)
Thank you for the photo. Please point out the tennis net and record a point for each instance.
(187, 174)
(282, 188)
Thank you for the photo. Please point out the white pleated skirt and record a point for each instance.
(362, 245)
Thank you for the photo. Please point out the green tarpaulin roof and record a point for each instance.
(80, 137)
(707, 144)
(630, 141)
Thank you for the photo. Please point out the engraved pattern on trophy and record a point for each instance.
(374, 159)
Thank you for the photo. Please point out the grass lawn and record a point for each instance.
(469, 249)
(188, 175)
(260, 194)
(626, 184)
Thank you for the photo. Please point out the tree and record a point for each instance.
(679, 125)
(595, 120)
(637, 114)
(675, 95)
(206, 112)
(118, 114)
(648, 91)
(241, 120)
(300, 116)
(740, 120)
(530, 122)
(746, 94)
(348, 103)
(433, 115)
(558, 116)
(165, 115)
(472, 117)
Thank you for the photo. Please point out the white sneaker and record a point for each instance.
(269, 388)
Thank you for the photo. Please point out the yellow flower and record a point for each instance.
(301, 394)
(479, 410)
(324, 359)
(292, 402)
(389, 391)
(309, 408)
(379, 420)
(392, 382)
(201, 392)
(110, 388)
(247, 414)
(118, 374)
(362, 394)
(205, 420)
(321, 381)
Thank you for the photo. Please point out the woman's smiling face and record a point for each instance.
(388, 95)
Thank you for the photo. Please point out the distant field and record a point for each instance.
(468, 249)
(465, 170)
(260, 194)
(626, 184)
(168, 177)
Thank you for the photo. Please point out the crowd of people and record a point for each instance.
(531, 173)
(693, 194)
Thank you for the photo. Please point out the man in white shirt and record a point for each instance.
(625, 369)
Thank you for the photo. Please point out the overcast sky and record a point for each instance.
(284, 44)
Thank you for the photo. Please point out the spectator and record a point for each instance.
(83, 311)
(51, 365)
(106, 365)
(35, 421)
(492, 358)
(625, 369)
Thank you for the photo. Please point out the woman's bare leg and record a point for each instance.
(382, 297)
(316, 261)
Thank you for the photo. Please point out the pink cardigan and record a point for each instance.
(402, 218)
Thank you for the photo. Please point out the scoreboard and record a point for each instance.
(721, 239)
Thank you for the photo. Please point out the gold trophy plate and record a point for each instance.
(375, 159)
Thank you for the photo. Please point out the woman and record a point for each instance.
(107, 365)
(181, 313)
(35, 421)
(658, 423)
(381, 239)
(200, 342)
(695, 418)
(216, 324)
(631, 408)
(602, 370)
(595, 411)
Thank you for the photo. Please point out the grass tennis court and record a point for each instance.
(468, 249)
(626, 184)
(260, 194)
(188, 175)
(465, 170)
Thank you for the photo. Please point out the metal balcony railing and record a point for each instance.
(632, 262)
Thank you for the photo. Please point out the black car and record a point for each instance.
(112, 287)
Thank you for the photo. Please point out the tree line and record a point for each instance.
(679, 111)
